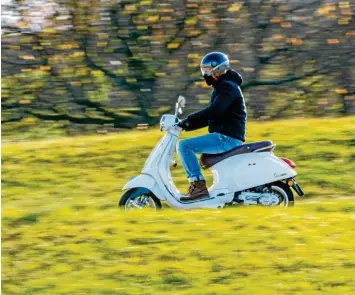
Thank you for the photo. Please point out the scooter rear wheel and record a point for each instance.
(139, 198)
(284, 192)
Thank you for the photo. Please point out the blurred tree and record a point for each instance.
(122, 63)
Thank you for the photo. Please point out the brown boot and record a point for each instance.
(197, 190)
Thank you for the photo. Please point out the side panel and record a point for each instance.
(250, 170)
(146, 181)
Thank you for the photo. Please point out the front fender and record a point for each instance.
(145, 181)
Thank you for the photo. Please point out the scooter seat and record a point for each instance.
(208, 160)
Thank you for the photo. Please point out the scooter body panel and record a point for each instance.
(249, 170)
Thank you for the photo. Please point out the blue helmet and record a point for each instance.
(214, 64)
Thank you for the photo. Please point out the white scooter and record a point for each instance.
(247, 175)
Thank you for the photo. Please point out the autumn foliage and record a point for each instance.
(122, 63)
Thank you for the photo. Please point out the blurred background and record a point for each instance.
(76, 74)
(71, 67)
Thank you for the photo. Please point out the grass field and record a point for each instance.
(62, 232)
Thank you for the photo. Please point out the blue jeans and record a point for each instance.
(212, 143)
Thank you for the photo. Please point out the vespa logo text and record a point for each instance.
(279, 175)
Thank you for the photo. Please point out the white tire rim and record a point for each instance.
(283, 193)
(131, 204)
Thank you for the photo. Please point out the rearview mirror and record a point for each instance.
(181, 101)
(179, 105)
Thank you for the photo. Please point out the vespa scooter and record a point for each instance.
(248, 175)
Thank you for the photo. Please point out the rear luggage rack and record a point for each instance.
(266, 148)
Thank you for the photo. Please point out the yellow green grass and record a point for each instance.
(62, 232)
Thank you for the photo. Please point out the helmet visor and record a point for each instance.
(209, 69)
(206, 70)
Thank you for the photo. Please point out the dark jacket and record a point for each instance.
(226, 113)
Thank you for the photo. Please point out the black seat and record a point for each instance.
(208, 160)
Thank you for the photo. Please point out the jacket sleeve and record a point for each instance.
(214, 110)
(194, 125)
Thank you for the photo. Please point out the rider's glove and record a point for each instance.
(184, 124)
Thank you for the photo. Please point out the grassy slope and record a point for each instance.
(62, 233)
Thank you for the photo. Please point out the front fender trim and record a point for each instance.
(145, 181)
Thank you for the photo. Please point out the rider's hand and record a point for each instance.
(184, 124)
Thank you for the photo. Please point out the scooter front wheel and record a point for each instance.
(138, 199)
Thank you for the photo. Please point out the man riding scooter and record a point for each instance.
(225, 117)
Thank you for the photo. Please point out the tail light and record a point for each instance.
(289, 162)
